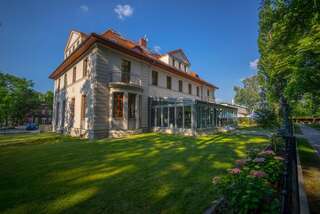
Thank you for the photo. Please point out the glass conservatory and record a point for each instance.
(187, 115)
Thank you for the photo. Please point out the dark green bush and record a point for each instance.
(266, 118)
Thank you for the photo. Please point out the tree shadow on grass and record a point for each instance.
(147, 173)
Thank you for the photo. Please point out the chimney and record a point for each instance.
(143, 42)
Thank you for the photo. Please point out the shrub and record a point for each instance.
(253, 185)
(266, 118)
(246, 121)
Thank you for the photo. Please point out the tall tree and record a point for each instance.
(17, 99)
(248, 95)
(289, 50)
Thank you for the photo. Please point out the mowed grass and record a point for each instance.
(311, 173)
(146, 173)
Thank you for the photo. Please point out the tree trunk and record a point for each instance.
(285, 116)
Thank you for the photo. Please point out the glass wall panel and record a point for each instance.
(178, 113)
(179, 117)
(171, 117)
(165, 117)
(152, 117)
(187, 117)
(158, 112)
(211, 113)
(198, 116)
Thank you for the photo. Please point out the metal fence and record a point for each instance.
(290, 194)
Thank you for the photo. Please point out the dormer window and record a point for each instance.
(180, 66)
(173, 62)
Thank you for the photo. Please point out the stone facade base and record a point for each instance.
(123, 133)
(75, 132)
(186, 132)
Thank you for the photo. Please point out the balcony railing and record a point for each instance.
(125, 77)
(211, 99)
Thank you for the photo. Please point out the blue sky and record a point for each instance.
(218, 36)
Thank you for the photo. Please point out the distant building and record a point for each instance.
(242, 111)
(42, 115)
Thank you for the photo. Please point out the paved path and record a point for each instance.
(18, 130)
(312, 135)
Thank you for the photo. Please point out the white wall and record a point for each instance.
(82, 85)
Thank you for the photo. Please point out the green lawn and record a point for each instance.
(147, 173)
(311, 172)
(257, 129)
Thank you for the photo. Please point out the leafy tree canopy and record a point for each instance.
(248, 95)
(289, 45)
(18, 98)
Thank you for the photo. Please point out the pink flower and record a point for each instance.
(234, 171)
(259, 160)
(241, 162)
(257, 173)
(267, 152)
(278, 158)
(216, 179)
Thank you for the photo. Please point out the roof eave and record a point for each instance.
(93, 38)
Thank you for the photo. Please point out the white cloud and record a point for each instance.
(254, 64)
(84, 8)
(123, 11)
(157, 49)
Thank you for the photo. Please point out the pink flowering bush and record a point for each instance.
(216, 179)
(242, 162)
(235, 171)
(259, 160)
(267, 152)
(257, 173)
(252, 186)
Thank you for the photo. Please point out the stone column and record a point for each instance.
(110, 100)
(125, 111)
(137, 110)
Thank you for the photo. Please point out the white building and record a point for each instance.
(106, 85)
